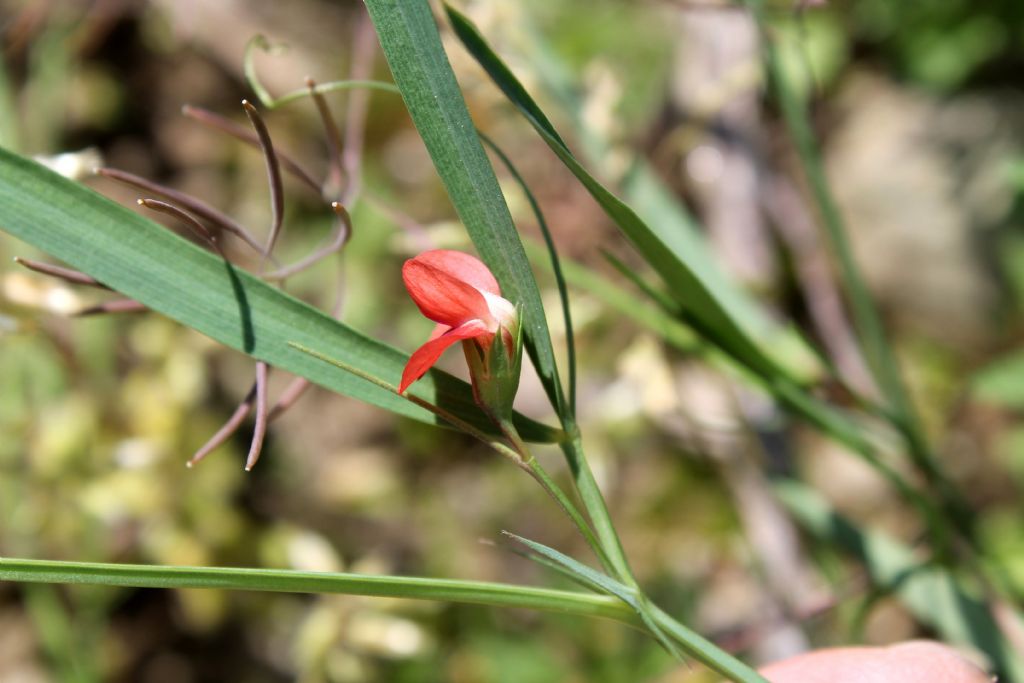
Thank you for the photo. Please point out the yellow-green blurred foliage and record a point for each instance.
(99, 414)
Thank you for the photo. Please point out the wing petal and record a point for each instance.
(424, 357)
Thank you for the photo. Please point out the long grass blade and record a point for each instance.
(672, 635)
(412, 46)
(553, 258)
(686, 286)
(287, 581)
(142, 261)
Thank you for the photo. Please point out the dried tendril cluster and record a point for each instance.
(340, 188)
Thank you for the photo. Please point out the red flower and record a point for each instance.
(460, 294)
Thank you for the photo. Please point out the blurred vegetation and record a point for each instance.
(919, 107)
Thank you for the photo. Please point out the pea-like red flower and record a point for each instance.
(460, 294)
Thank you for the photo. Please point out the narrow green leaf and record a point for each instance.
(663, 300)
(665, 254)
(587, 575)
(553, 259)
(837, 423)
(554, 567)
(289, 581)
(930, 592)
(625, 303)
(879, 353)
(421, 70)
(865, 315)
(662, 210)
(672, 635)
(601, 582)
(146, 262)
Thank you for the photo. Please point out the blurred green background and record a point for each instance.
(919, 107)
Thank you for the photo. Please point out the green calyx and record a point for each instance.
(495, 369)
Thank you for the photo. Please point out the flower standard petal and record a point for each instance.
(462, 266)
(442, 297)
(424, 357)
(458, 292)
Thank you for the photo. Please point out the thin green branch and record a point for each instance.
(866, 318)
(259, 42)
(593, 501)
(672, 635)
(653, 293)
(698, 646)
(332, 86)
(533, 467)
(877, 349)
(626, 303)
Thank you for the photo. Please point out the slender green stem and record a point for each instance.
(866, 317)
(703, 650)
(879, 352)
(597, 509)
(259, 42)
(831, 422)
(613, 558)
(528, 463)
(331, 86)
(536, 470)
(417, 588)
